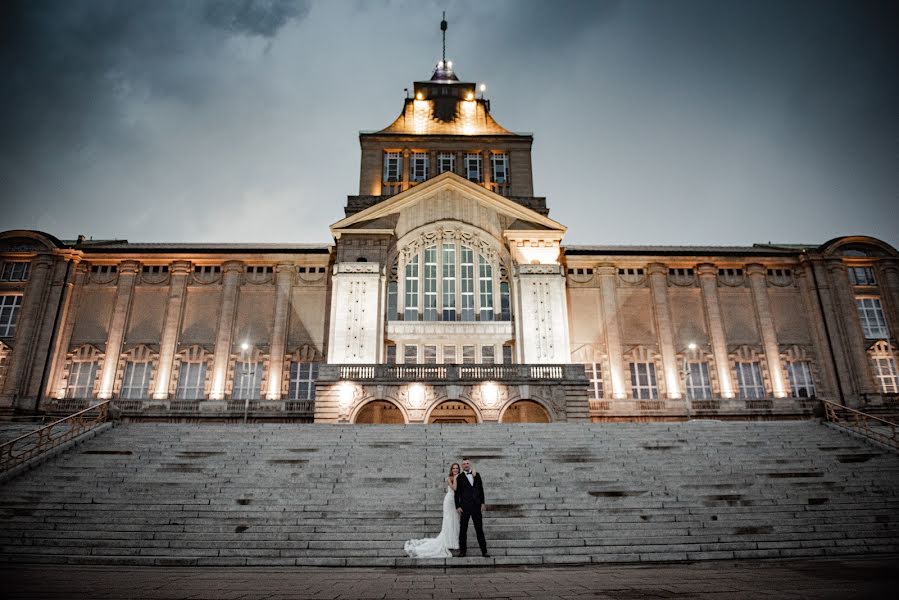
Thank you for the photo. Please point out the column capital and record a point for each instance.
(606, 269)
(835, 265)
(657, 269)
(285, 268)
(180, 267)
(128, 267)
(756, 269)
(232, 266)
(42, 260)
(887, 266)
(707, 270)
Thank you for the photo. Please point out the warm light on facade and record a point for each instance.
(416, 395)
(489, 393)
(347, 391)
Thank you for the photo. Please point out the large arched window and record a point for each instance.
(448, 280)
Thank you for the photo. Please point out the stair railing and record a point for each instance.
(26, 447)
(864, 424)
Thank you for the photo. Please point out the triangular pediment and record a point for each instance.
(383, 216)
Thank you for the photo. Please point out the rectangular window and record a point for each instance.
(699, 384)
(507, 355)
(81, 379)
(449, 355)
(499, 162)
(410, 354)
(886, 376)
(485, 283)
(391, 354)
(487, 355)
(473, 167)
(870, 313)
(749, 380)
(449, 282)
(393, 166)
(136, 380)
(594, 376)
(302, 380)
(15, 271)
(9, 314)
(643, 381)
(247, 381)
(430, 357)
(862, 276)
(467, 355)
(191, 381)
(505, 304)
(430, 299)
(467, 284)
(801, 383)
(391, 301)
(446, 161)
(419, 166)
(411, 308)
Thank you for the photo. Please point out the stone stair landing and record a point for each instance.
(286, 494)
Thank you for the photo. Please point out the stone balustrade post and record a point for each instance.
(708, 282)
(758, 283)
(171, 327)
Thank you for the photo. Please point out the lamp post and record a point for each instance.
(686, 374)
(245, 370)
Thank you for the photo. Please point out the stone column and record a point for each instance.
(608, 284)
(854, 336)
(67, 325)
(827, 387)
(708, 282)
(30, 317)
(406, 170)
(758, 283)
(225, 331)
(658, 284)
(486, 169)
(171, 328)
(283, 284)
(116, 334)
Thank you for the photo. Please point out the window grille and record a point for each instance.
(487, 355)
(9, 314)
(430, 355)
(446, 161)
(468, 355)
(136, 379)
(507, 355)
(410, 354)
(870, 313)
(82, 376)
(643, 380)
(473, 167)
(500, 167)
(430, 298)
(485, 272)
(15, 271)
(303, 376)
(698, 384)
(191, 381)
(393, 166)
(862, 276)
(886, 375)
(449, 355)
(594, 377)
(449, 282)
(419, 166)
(247, 380)
(799, 374)
(750, 384)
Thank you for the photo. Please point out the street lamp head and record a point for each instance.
(244, 346)
(691, 346)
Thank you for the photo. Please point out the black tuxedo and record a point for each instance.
(470, 497)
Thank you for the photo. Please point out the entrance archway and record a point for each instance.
(453, 411)
(525, 411)
(380, 412)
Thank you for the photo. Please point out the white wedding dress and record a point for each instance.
(446, 540)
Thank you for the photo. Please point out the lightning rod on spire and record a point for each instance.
(443, 29)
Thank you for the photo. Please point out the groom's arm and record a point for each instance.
(481, 490)
(458, 495)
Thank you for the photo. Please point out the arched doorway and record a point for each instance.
(380, 412)
(525, 411)
(453, 411)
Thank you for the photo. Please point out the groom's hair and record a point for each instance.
(464, 458)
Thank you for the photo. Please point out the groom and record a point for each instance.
(470, 504)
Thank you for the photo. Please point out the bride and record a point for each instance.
(448, 538)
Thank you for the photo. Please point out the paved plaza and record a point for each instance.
(836, 578)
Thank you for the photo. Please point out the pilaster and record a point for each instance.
(759, 285)
(708, 282)
(30, 317)
(75, 286)
(852, 329)
(888, 278)
(543, 320)
(831, 313)
(116, 334)
(355, 314)
(608, 284)
(283, 282)
(180, 271)
(231, 271)
(814, 311)
(658, 284)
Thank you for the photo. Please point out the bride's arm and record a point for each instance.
(451, 481)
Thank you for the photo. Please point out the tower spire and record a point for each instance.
(443, 29)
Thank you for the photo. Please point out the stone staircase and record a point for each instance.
(284, 494)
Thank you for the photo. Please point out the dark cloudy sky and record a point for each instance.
(663, 122)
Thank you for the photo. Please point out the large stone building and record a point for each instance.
(447, 296)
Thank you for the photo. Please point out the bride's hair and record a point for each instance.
(451, 468)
